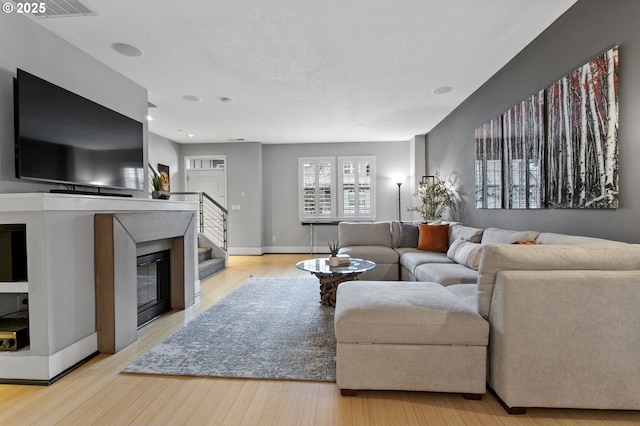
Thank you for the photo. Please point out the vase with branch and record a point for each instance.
(435, 196)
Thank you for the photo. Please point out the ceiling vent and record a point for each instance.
(61, 8)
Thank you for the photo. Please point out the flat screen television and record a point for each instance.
(64, 138)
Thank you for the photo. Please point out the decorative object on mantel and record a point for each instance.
(334, 246)
(158, 193)
(435, 195)
(165, 176)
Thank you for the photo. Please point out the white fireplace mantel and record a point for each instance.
(61, 283)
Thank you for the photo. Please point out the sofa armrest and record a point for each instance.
(566, 339)
(508, 257)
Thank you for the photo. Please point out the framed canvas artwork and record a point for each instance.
(523, 126)
(582, 110)
(488, 165)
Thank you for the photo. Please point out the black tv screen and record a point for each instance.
(62, 137)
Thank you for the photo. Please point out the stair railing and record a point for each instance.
(212, 216)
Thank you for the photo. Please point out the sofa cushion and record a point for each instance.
(405, 313)
(377, 254)
(433, 237)
(412, 258)
(510, 257)
(445, 273)
(552, 238)
(408, 235)
(467, 233)
(505, 236)
(468, 293)
(465, 253)
(364, 234)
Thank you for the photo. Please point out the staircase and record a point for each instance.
(207, 265)
(212, 229)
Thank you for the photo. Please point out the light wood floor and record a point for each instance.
(97, 393)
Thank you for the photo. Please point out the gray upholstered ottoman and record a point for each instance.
(413, 336)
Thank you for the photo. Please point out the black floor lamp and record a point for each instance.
(399, 208)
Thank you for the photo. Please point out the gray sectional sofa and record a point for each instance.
(563, 317)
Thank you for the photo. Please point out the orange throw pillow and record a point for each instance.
(433, 237)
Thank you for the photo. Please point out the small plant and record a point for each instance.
(157, 183)
(435, 196)
(334, 246)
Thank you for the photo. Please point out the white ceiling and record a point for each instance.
(307, 70)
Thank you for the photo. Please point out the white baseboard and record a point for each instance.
(251, 251)
(295, 249)
(72, 354)
(245, 251)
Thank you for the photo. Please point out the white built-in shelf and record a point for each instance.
(23, 352)
(14, 287)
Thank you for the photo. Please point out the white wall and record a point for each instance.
(244, 189)
(25, 44)
(263, 181)
(281, 190)
(167, 152)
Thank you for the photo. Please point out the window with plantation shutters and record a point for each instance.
(341, 189)
(356, 187)
(316, 181)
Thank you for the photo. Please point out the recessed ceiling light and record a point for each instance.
(191, 98)
(226, 100)
(442, 90)
(191, 135)
(126, 49)
(149, 118)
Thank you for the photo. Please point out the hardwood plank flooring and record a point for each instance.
(97, 393)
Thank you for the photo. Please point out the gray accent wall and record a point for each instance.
(584, 31)
(25, 44)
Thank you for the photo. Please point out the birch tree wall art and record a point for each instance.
(582, 110)
(488, 165)
(524, 153)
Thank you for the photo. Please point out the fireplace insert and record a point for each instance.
(154, 279)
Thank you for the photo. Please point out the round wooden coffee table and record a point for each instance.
(331, 276)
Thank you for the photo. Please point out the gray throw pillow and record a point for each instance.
(408, 235)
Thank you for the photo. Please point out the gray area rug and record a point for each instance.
(268, 328)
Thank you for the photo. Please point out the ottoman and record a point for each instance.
(415, 336)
